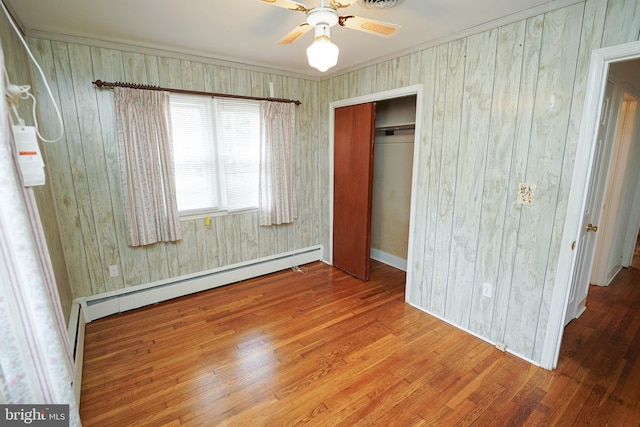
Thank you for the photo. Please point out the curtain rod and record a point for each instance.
(100, 83)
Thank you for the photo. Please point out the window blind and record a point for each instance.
(238, 133)
(216, 152)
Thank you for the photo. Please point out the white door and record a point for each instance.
(593, 206)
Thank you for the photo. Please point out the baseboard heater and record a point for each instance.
(108, 303)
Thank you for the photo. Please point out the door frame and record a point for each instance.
(592, 212)
(634, 222)
(598, 72)
(374, 97)
(601, 272)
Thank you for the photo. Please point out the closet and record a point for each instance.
(392, 170)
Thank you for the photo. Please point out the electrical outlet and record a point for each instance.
(501, 346)
(486, 290)
(526, 193)
(113, 270)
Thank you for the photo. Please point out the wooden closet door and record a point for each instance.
(353, 181)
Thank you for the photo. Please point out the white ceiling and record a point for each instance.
(247, 31)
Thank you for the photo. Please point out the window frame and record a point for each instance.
(218, 152)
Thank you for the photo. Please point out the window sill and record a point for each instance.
(204, 214)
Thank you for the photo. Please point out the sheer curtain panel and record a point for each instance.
(36, 364)
(277, 193)
(145, 158)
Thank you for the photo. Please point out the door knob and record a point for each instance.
(592, 227)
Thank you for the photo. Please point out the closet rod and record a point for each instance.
(396, 127)
(100, 83)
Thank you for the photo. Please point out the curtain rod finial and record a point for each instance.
(98, 83)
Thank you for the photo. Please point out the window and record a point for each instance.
(216, 144)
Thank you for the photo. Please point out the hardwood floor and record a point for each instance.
(325, 349)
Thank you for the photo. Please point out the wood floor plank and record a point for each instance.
(326, 349)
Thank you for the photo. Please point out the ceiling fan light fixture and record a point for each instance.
(322, 54)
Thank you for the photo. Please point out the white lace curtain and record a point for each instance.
(277, 191)
(145, 158)
(36, 365)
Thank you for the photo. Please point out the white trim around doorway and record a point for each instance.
(598, 72)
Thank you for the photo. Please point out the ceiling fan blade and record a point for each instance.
(339, 4)
(367, 25)
(295, 33)
(287, 4)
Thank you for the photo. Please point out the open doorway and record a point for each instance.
(577, 246)
(414, 94)
(610, 190)
(618, 227)
(393, 160)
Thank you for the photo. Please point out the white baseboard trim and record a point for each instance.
(613, 272)
(518, 355)
(108, 303)
(582, 307)
(387, 258)
(75, 331)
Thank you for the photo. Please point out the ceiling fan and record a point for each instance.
(323, 54)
